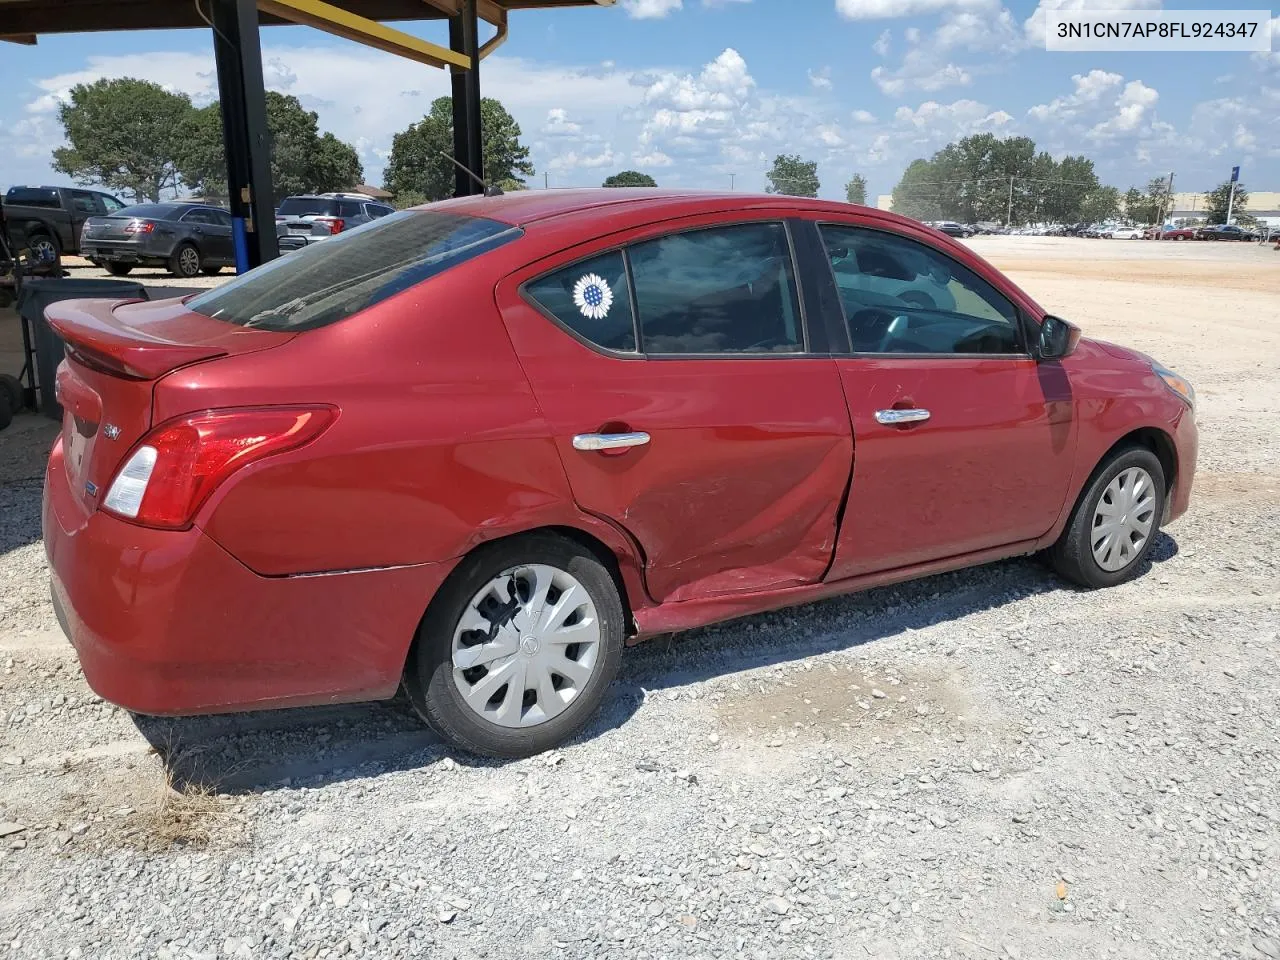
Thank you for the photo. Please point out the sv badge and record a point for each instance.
(110, 431)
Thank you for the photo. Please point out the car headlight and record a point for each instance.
(1179, 385)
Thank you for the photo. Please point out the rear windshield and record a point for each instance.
(335, 278)
(149, 211)
(307, 206)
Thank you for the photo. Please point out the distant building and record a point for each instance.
(884, 201)
(376, 192)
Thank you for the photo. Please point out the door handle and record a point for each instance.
(893, 418)
(609, 441)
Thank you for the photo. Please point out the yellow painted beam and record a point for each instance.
(342, 23)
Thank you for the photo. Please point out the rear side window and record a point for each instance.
(32, 197)
(591, 299)
(327, 282)
(723, 290)
(349, 208)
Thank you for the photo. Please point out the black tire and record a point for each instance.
(6, 412)
(211, 271)
(185, 261)
(119, 269)
(429, 673)
(11, 387)
(1072, 556)
(45, 251)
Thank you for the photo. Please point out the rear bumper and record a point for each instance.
(168, 622)
(122, 253)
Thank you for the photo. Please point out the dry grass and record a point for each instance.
(192, 817)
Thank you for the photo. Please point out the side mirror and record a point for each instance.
(1058, 338)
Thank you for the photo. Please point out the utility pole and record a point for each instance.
(1008, 217)
(732, 178)
(546, 180)
(1231, 199)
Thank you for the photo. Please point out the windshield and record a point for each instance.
(326, 282)
(307, 206)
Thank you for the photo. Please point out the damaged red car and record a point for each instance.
(478, 447)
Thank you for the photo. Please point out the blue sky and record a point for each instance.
(702, 92)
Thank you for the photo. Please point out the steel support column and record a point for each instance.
(242, 95)
(468, 148)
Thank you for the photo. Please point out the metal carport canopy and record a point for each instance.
(238, 54)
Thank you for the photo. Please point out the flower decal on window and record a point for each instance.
(592, 296)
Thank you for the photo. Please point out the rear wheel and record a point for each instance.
(44, 251)
(518, 649)
(6, 412)
(11, 388)
(119, 269)
(1114, 524)
(185, 261)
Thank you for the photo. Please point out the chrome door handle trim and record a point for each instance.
(609, 441)
(893, 418)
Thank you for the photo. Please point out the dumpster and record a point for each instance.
(39, 338)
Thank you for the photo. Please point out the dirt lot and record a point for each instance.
(983, 764)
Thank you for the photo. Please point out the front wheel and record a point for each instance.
(518, 649)
(1114, 524)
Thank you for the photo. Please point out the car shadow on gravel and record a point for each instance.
(315, 746)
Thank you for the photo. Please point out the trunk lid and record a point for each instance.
(116, 350)
(108, 228)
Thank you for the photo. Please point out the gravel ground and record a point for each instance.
(982, 764)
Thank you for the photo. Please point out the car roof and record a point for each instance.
(529, 206)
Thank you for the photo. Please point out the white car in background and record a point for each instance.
(1126, 233)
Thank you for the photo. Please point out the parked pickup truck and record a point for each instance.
(47, 220)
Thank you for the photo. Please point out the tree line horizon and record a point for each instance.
(137, 138)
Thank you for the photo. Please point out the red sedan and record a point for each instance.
(479, 447)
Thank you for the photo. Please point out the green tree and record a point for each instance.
(985, 178)
(793, 176)
(1218, 199)
(1100, 205)
(302, 159)
(1135, 202)
(630, 178)
(124, 134)
(855, 190)
(416, 164)
(917, 193)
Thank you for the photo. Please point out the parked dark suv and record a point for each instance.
(305, 219)
(47, 220)
(188, 238)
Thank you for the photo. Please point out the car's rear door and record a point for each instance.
(962, 442)
(693, 407)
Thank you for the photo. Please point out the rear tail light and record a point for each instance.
(335, 224)
(174, 468)
(139, 226)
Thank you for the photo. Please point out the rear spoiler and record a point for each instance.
(93, 333)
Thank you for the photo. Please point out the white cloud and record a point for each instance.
(918, 73)
(650, 9)
(884, 9)
(1131, 110)
(820, 80)
(722, 84)
(864, 116)
(881, 46)
(1090, 88)
(572, 160)
(722, 3)
(1034, 26)
(558, 124)
(655, 159)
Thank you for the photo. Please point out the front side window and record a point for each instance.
(901, 296)
(591, 299)
(327, 282)
(83, 202)
(110, 203)
(722, 290)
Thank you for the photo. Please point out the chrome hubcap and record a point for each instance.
(1123, 521)
(189, 260)
(43, 251)
(526, 645)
